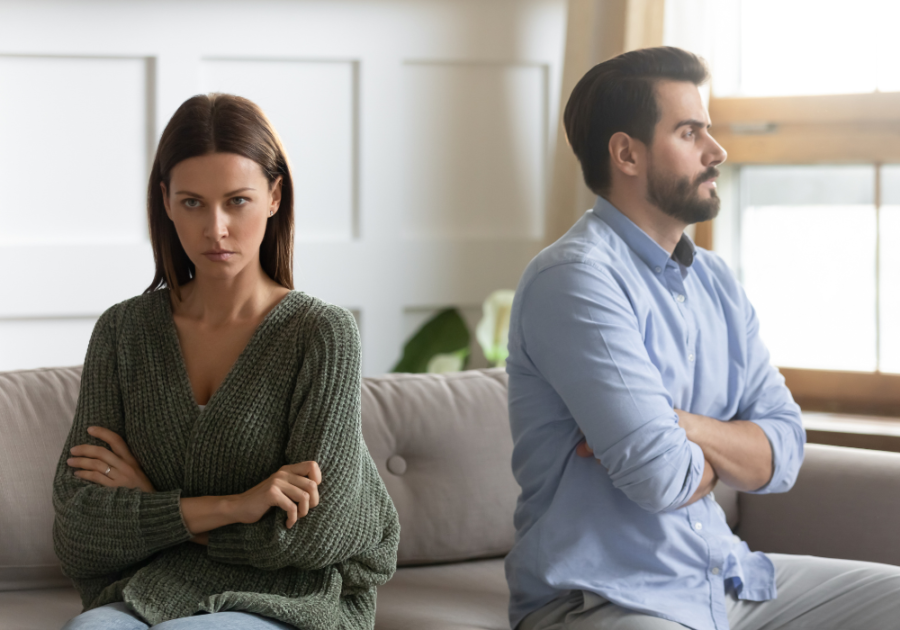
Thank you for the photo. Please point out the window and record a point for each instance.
(806, 99)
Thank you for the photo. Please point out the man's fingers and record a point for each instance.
(583, 450)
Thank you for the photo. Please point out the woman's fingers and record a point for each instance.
(305, 469)
(88, 463)
(97, 452)
(310, 487)
(115, 441)
(94, 476)
(299, 496)
(285, 503)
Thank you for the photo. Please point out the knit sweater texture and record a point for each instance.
(293, 395)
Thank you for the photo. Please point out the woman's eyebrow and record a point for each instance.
(228, 194)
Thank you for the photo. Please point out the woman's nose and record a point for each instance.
(217, 226)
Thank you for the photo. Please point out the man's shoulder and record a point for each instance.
(589, 243)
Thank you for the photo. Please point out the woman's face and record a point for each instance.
(220, 204)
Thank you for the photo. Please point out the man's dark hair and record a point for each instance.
(620, 95)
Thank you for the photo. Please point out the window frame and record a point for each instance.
(827, 129)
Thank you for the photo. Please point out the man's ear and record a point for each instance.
(165, 195)
(625, 153)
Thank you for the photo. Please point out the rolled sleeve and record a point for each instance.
(767, 402)
(581, 333)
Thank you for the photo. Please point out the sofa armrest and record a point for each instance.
(845, 504)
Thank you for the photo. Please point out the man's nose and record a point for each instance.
(715, 154)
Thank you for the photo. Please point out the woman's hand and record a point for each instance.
(116, 468)
(294, 489)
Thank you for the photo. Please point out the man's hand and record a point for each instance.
(583, 450)
(738, 450)
(116, 468)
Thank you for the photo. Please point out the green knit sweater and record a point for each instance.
(293, 395)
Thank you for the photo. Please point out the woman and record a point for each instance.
(216, 462)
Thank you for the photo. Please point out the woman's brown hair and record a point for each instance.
(219, 123)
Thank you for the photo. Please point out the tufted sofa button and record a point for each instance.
(396, 465)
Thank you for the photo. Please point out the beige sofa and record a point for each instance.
(443, 447)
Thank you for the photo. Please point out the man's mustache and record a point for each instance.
(710, 173)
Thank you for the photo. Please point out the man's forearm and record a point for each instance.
(738, 450)
(707, 483)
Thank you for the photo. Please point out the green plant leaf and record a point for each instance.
(445, 333)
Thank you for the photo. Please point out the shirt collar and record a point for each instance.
(653, 255)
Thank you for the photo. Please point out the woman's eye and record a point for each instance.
(192, 203)
(239, 201)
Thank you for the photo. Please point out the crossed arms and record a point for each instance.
(583, 333)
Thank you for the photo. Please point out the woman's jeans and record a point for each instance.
(119, 616)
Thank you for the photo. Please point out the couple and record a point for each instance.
(221, 393)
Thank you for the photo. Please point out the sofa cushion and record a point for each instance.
(36, 410)
(464, 595)
(443, 447)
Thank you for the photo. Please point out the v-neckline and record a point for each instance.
(182, 364)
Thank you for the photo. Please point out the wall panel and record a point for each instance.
(73, 163)
(476, 149)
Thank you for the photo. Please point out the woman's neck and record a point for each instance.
(222, 301)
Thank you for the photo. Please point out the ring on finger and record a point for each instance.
(108, 468)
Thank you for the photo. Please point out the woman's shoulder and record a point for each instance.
(140, 309)
(315, 317)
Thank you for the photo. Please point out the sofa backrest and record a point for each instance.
(443, 447)
(440, 442)
(36, 409)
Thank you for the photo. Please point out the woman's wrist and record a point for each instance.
(204, 514)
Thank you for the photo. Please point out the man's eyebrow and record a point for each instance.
(228, 194)
(693, 122)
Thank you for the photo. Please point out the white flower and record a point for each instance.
(450, 362)
(492, 331)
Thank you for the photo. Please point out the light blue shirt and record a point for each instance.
(608, 335)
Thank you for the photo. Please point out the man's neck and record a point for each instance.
(659, 226)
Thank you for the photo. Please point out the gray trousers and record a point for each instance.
(813, 593)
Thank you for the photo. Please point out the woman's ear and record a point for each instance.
(275, 195)
(165, 196)
(625, 153)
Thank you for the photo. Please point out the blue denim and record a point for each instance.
(120, 616)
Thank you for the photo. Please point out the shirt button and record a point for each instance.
(698, 526)
(691, 357)
(715, 571)
(657, 269)
(679, 298)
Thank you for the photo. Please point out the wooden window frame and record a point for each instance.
(832, 129)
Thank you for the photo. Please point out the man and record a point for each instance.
(629, 344)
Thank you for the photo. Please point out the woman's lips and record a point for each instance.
(218, 256)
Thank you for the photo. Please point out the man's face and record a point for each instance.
(682, 160)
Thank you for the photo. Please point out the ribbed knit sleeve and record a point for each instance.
(355, 525)
(99, 531)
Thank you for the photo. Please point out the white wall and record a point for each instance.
(419, 133)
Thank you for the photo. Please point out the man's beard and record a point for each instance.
(679, 197)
